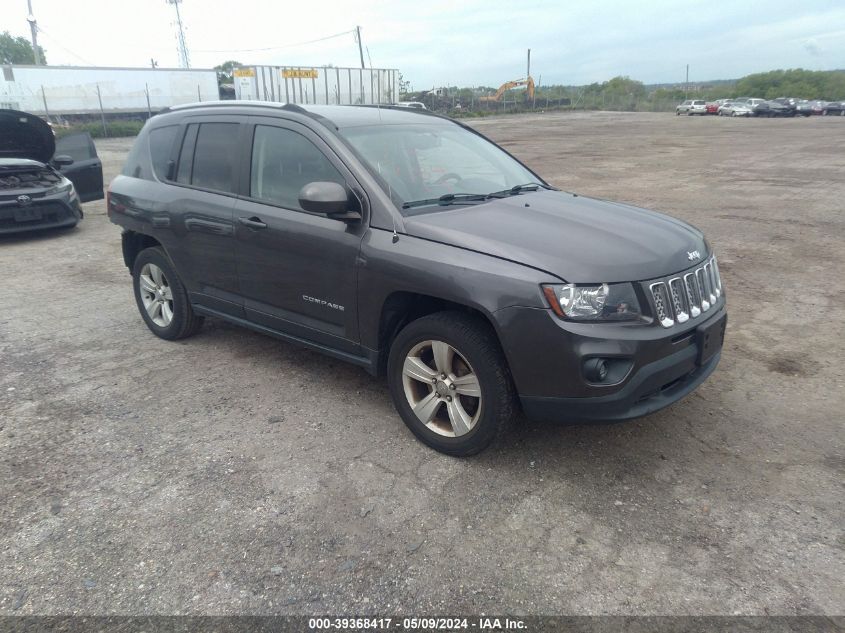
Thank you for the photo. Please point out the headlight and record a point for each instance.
(602, 302)
(62, 187)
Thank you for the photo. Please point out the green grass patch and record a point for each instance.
(114, 129)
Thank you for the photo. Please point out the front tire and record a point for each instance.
(450, 383)
(161, 297)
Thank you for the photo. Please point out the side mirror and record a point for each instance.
(62, 160)
(329, 198)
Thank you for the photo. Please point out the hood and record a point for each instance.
(25, 135)
(580, 240)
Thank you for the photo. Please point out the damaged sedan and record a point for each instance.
(44, 181)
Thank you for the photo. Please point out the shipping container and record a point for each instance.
(325, 85)
(75, 90)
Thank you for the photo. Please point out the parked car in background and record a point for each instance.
(414, 105)
(834, 107)
(804, 108)
(788, 102)
(753, 103)
(43, 181)
(692, 106)
(818, 107)
(712, 107)
(772, 109)
(735, 108)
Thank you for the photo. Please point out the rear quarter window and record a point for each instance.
(133, 166)
(161, 147)
(150, 153)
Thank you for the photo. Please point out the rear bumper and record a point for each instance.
(654, 387)
(42, 213)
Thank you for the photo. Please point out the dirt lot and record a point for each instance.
(233, 473)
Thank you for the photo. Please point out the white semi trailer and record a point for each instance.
(317, 84)
(74, 90)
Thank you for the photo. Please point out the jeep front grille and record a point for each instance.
(661, 304)
(687, 296)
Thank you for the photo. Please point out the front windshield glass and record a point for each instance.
(418, 162)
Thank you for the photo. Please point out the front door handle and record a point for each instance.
(253, 222)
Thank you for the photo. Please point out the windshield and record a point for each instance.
(420, 162)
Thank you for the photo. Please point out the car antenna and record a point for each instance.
(389, 195)
(378, 100)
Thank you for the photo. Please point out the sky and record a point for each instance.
(452, 42)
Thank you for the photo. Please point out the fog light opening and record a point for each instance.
(595, 369)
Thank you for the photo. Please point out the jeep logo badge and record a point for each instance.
(24, 201)
(693, 255)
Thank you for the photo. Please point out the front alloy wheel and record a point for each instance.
(450, 383)
(442, 389)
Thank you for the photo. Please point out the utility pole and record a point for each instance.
(360, 46)
(33, 28)
(528, 71)
(184, 61)
(686, 85)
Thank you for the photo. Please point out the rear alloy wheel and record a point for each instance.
(450, 383)
(156, 295)
(161, 298)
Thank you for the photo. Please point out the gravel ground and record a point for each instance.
(233, 473)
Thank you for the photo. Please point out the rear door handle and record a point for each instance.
(253, 222)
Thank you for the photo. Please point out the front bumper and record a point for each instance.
(47, 212)
(546, 356)
(654, 387)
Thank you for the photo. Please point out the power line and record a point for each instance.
(64, 48)
(274, 48)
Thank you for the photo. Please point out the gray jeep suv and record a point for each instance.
(411, 245)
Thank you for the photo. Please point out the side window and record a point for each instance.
(283, 162)
(214, 156)
(78, 146)
(161, 143)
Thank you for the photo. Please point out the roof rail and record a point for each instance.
(290, 107)
(228, 102)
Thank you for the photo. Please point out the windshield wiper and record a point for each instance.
(516, 189)
(466, 198)
(448, 199)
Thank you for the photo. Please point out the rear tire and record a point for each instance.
(463, 413)
(161, 297)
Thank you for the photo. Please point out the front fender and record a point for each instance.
(414, 265)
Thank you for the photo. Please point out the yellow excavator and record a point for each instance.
(509, 85)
